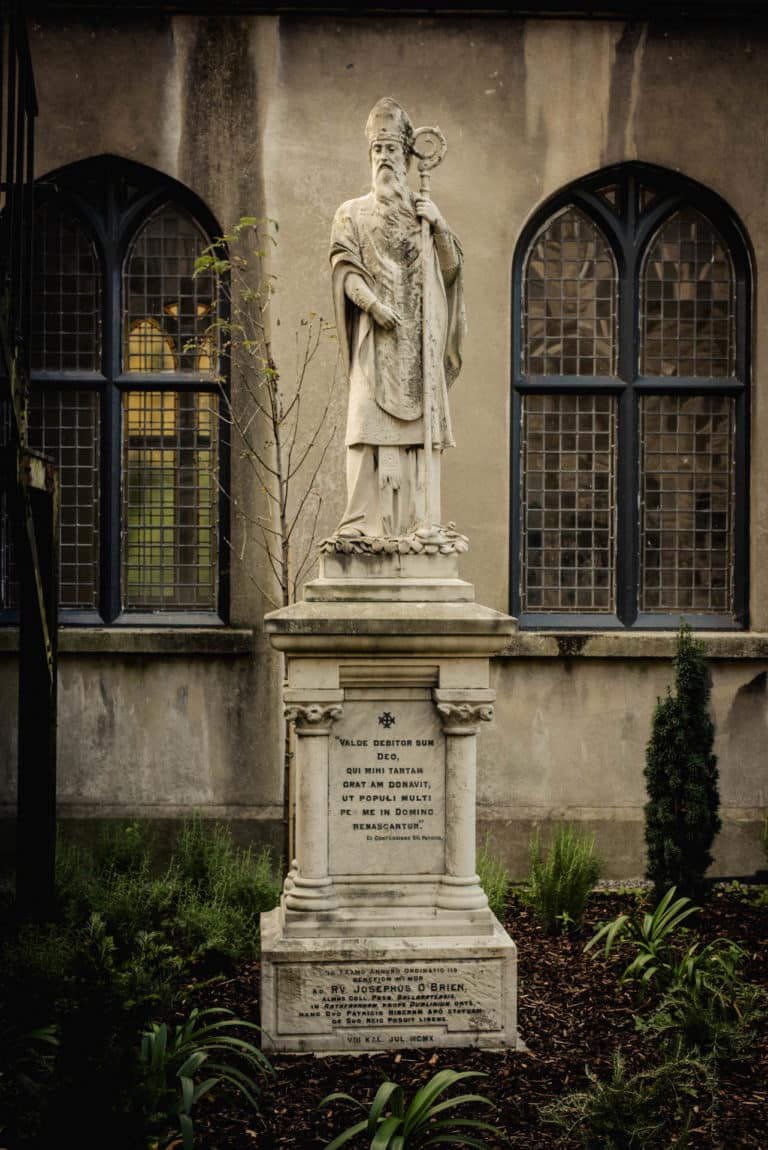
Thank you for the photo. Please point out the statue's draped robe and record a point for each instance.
(385, 420)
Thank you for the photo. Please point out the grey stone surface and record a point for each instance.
(384, 938)
(354, 995)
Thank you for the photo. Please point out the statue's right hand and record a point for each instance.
(384, 316)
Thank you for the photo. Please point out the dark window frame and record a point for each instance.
(113, 199)
(629, 231)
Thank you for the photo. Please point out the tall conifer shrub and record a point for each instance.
(681, 815)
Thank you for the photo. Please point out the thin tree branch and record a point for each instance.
(311, 483)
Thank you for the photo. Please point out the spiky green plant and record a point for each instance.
(717, 1018)
(561, 880)
(494, 879)
(173, 1062)
(207, 858)
(650, 935)
(681, 815)
(641, 1111)
(391, 1125)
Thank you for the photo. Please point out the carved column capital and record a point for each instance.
(462, 711)
(465, 714)
(313, 718)
(313, 712)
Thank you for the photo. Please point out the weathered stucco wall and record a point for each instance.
(155, 733)
(569, 741)
(264, 115)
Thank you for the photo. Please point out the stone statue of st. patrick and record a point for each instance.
(386, 334)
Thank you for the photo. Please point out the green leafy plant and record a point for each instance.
(114, 877)
(206, 856)
(392, 1125)
(207, 900)
(639, 1111)
(708, 1008)
(132, 934)
(750, 894)
(221, 890)
(649, 934)
(27, 1061)
(181, 1065)
(494, 879)
(681, 815)
(126, 847)
(560, 881)
(707, 1022)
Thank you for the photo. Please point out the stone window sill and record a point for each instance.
(631, 645)
(231, 641)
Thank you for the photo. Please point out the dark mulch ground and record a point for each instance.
(571, 1012)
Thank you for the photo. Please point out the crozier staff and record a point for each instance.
(385, 320)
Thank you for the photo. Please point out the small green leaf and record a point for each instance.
(388, 1090)
(338, 1097)
(347, 1135)
(386, 1131)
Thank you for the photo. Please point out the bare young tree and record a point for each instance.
(269, 432)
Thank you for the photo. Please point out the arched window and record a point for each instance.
(125, 392)
(630, 407)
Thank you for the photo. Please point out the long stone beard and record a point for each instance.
(393, 210)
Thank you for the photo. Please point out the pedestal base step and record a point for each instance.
(350, 995)
(385, 921)
(383, 576)
(396, 590)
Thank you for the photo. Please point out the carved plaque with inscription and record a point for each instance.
(386, 792)
(394, 1003)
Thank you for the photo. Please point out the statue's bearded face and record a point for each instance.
(389, 167)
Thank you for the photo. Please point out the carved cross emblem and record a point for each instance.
(386, 720)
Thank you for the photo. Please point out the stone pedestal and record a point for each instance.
(384, 938)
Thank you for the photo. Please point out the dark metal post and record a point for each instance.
(36, 535)
(29, 482)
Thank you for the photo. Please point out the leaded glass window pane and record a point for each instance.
(167, 308)
(65, 425)
(687, 503)
(66, 295)
(570, 290)
(169, 500)
(569, 479)
(688, 301)
(664, 509)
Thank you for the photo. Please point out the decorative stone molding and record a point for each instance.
(428, 541)
(306, 894)
(465, 717)
(461, 893)
(463, 709)
(312, 718)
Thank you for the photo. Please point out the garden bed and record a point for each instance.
(572, 1012)
(101, 1009)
